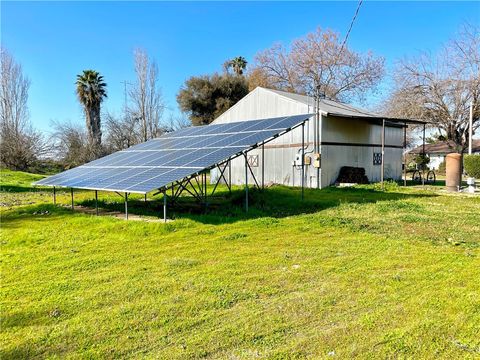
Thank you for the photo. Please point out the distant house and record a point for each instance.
(343, 135)
(437, 152)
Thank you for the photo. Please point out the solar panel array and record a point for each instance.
(172, 157)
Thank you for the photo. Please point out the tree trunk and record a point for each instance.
(92, 117)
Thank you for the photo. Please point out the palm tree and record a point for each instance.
(91, 90)
(238, 64)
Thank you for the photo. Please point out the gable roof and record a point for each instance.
(443, 147)
(326, 105)
(336, 108)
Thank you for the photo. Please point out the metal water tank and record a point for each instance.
(453, 166)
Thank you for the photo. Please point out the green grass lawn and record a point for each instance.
(346, 273)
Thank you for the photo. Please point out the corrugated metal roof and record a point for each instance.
(328, 106)
(336, 108)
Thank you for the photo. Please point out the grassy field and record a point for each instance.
(354, 272)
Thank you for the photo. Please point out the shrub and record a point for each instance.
(422, 160)
(471, 164)
(442, 168)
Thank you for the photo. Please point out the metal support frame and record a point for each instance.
(303, 161)
(222, 176)
(71, 192)
(126, 206)
(96, 202)
(197, 195)
(145, 197)
(382, 176)
(54, 196)
(251, 172)
(405, 154)
(199, 189)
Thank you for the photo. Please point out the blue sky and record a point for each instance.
(54, 41)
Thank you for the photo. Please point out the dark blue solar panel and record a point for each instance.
(173, 156)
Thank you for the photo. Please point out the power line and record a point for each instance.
(351, 25)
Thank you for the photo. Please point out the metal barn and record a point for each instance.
(338, 135)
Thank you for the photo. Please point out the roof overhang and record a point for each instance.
(378, 119)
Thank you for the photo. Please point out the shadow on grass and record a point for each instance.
(277, 201)
(21, 189)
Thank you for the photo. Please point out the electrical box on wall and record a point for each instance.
(317, 160)
(298, 160)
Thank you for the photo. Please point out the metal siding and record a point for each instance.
(336, 129)
(262, 103)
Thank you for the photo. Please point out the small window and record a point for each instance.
(377, 158)
(252, 160)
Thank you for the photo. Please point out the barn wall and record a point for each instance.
(339, 130)
(262, 104)
(279, 153)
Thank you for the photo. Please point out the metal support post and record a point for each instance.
(164, 206)
(230, 176)
(96, 202)
(405, 154)
(205, 186)
(382, 175)
(54, 196)
(71, 192)
(423, 156)
(145, 197)
(303, 160)
(246, 183)
(470, 130)
(126, 206)
(319, 121)
(263, 166)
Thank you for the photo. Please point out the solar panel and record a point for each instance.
(173, 156)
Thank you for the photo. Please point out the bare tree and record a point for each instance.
(122, 132)
(146, 96)
(177, 122)
(71, 144)
(318, 61)
(439, 88)
(21, 144)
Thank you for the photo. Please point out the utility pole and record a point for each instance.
(125, 83)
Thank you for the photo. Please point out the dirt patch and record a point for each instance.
(116, 214)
